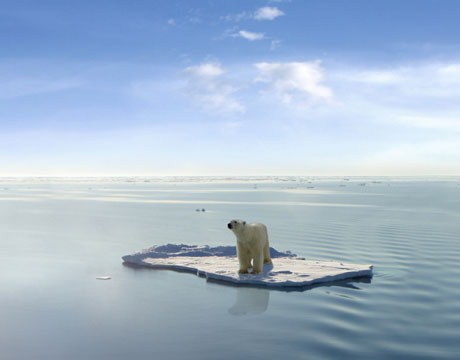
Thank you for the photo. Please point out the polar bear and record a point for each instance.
(251, 244)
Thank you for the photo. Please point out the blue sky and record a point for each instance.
(293, 87)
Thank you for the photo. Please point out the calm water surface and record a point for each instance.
(56, 237)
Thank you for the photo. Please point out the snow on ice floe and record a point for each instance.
(221, 264)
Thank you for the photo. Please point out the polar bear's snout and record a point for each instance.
(236, 225)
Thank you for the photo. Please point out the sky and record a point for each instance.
(229, 87)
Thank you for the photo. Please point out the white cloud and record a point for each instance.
(433, 79)
(298, 82)
(251, 36)
(210, 91)
(421, 96)
(267, 13)
(263, 13)
(206, 70)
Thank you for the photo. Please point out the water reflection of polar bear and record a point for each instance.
(250, 302)
(251, 245)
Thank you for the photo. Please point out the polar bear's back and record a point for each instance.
(256, 231)
(257, 226)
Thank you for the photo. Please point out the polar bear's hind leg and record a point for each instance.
(267, 258)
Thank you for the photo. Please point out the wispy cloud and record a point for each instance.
(237, 17)
(267, 13)
(294, 82)
(250, 36)
(423, 96)
(275, 44)
(264, 13)
(210, 91)
(205, 71)
(435, 79)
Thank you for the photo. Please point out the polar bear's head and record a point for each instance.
(236, 225)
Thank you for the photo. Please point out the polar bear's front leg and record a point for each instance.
(243, 259)
(258, 263)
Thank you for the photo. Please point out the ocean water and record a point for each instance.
(58, 235)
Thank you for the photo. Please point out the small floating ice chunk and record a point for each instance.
(103, 278)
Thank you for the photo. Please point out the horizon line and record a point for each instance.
(224, 176)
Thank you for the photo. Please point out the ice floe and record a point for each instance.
(221, 264)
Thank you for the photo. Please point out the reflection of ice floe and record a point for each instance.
(220, 264)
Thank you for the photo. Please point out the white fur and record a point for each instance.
(251, 245)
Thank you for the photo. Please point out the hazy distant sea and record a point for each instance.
(58, 235)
